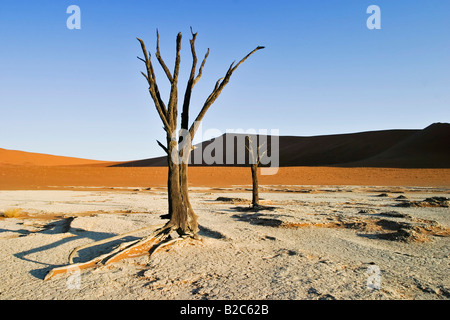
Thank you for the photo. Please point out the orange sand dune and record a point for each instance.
(427, 149)
(22, 158)
(15, 177)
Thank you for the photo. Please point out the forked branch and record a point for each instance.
(173, 98)
(160, 59)
(191, 82)
(153, 87)
(250, 148)
(163, 147)
(220, 85)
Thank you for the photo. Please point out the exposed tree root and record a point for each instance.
(139, 248)
(164, 244)
(96, 243)
(157, 240)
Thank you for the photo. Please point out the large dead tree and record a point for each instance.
(182, 217)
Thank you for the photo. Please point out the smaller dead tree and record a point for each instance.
(254, 160)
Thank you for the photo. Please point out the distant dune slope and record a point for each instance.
(22, 158)
(427, 148)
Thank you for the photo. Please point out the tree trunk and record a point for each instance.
(191, 216)
(181, 214)
(255, 196)
(169, 181)
(174, 193)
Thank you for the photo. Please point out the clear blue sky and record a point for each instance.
(80, 93)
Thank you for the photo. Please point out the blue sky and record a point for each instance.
(80, 93)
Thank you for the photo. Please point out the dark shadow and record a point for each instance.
(21, 232)
(206, 232)
(257, 216)
(392, 214)
(391, 225)
(228, 199)
(373, 236)
(401, 235)
(63, 226)
(396, 231)
(258, 219)
(92, 252)
(381, 195)
(433, 202)
(261, 209)
(40, 273)
(255, 208)
(165, 216)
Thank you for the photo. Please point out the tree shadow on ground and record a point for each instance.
(63, 227)
(258, 219)
(254, 208)
(207, 232)
(259, 216)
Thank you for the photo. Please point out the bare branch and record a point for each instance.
(249, 147)
(192, 81)
(160, 60)
(246, 57)
(261, 155)
(144, 50)
(249, 142)
(146, 77)
(163, 146)
(161, 112)
(176, 70)
(153, 87)
(194, 55)
(220, 84)
(173, 98)
(189, 86)
(200, 71)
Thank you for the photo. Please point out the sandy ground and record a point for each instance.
(316, 242)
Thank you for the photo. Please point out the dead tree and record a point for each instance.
(254, 161)
(182, 217)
